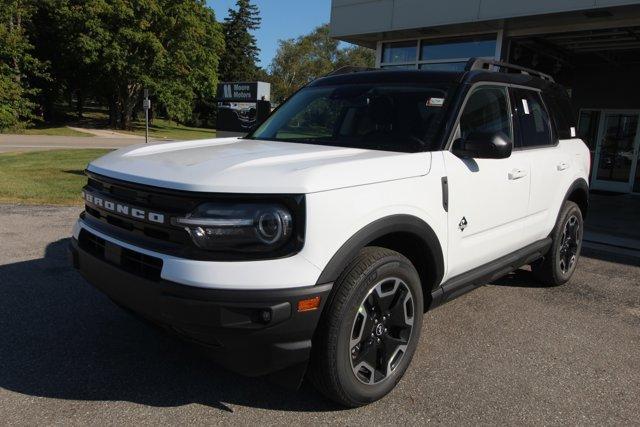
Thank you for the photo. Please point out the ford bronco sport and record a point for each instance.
(314, 245)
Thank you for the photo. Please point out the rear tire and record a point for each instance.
(559, 264)
(373, 318)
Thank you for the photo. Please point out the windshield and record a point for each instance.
(402, 118)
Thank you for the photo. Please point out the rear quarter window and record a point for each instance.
(561, 111)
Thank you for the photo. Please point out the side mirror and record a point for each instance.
(482, 145)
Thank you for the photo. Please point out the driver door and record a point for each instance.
(488, 198)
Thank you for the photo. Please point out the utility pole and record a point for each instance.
(146, 105)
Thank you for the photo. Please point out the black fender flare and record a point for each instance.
(377, 229)
(579, 184)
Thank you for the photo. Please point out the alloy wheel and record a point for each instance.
(381, 331)
(571, 237)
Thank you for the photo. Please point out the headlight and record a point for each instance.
(245, 227)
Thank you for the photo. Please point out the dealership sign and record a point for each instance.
(244, 92)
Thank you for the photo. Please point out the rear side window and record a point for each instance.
(533, 120)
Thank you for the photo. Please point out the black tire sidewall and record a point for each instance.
(386, 267)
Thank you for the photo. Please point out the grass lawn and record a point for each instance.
(96, 117)
(165, 129)
(44, 177)
(53, 130)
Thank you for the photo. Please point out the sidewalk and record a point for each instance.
(47, 142)
(106, 133)
(613, 225)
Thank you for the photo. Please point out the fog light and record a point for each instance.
(265, 316)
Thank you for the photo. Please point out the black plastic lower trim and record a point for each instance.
(252, 332)
(466, 282)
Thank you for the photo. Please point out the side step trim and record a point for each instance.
(466, 282)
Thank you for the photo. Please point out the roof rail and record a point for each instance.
(486, 64)
(350, 69)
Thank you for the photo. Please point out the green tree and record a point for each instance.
(299, 61)
(17, 66)
(112, 49)
(57, 27)
(241, 52)
(193, 42)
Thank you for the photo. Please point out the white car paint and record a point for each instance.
(556, 168)
(283, 273)
(508, 203)
(493, 201)
(233, 165)
(347, 189)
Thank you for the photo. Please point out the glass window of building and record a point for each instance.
(444, 66)
(438, 55)
(399, 67)
(481, 47)
(400, 52)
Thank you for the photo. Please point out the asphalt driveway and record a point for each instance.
(508, 353)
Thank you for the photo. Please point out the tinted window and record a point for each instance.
(533, 120)
(562, 112)
(588, 128)
(387, 117)
(486, 111)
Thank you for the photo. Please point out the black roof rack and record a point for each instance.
(486, 64)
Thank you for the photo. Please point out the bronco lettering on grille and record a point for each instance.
(123, 209)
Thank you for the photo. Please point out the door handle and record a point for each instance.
(563, 166)
(517, 174)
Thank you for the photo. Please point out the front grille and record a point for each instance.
(168, 205)
(138, 264)
(162, 237)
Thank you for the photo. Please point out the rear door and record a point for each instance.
(488, 198)
(538, 141)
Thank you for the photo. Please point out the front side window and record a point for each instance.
(533, 119)
(405, 118)
(486, 111)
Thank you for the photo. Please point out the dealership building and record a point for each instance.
(592, 47)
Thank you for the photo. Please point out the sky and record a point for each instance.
(281, 19)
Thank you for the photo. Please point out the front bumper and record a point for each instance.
(252, 332)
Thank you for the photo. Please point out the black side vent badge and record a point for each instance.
(445, 193)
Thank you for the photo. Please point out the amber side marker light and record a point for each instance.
(308, 304)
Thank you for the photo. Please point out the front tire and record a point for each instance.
(559, 264)
(369, 330)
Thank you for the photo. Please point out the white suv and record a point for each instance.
(315, 244)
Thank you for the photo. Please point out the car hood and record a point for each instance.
(234, 165)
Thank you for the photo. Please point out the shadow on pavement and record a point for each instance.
(62, 339)
(518, 279)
